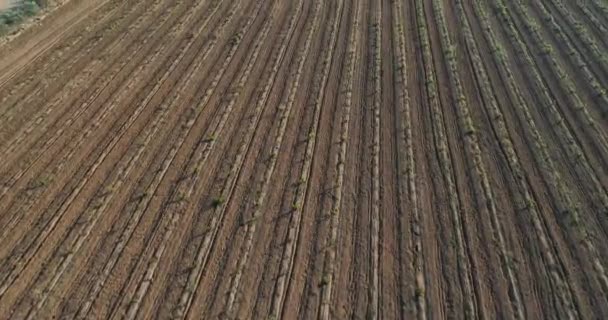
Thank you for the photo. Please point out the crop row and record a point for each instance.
(252, 218)
(563, 78)
(527, 202)
(63, 85)
(542, 158)
(210, 233)
(212, 228)
(287, 258)
(557, 187)
(407, 164)
(179, 201)
(219, 211)
(598, 92)
(574, 151)
(597, 24)
(441, 144)
(99, 204)
(329, 267)
(473, 150)
(50, 225)
(557, 121)
(601, 5)
(116, 73)
(55, 168)
(18, 87)
(144, 199)
(17, 262)
(375, 285)
(581, 31)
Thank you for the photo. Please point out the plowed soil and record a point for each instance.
(274, 159)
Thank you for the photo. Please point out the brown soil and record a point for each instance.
(304, 159)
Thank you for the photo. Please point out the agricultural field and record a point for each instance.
(302, 159)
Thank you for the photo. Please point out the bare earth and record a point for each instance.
(275, 159)
(4, 4)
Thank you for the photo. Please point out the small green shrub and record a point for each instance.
(217, 202)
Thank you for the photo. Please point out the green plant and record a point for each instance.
(17, 14)
(217, 202)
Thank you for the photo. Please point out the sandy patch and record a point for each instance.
(4, 4)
